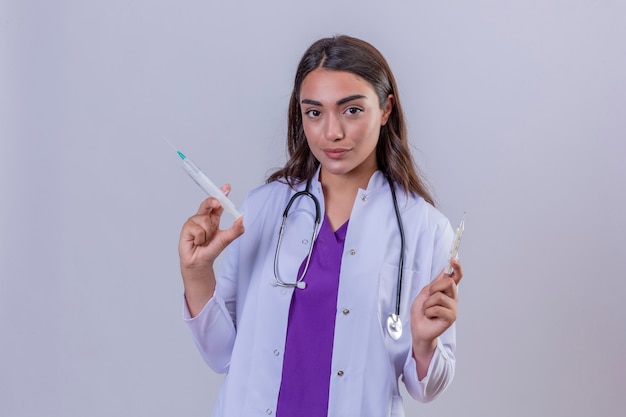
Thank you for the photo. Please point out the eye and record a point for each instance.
(353, 110)
(312, 113)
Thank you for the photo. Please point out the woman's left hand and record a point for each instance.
(434, 310)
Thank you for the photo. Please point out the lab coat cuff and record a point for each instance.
(437, 378)
(214, 303)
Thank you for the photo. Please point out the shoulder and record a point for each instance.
(424, 215)
(269, 191)
(267, 197)
(429, 232)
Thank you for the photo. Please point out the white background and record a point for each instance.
(516, 112)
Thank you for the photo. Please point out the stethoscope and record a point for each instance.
(394, 324)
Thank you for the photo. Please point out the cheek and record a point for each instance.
(370, 132)
(312, 140)
(310, 132)
(315, 136)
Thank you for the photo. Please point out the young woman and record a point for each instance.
(336, 289)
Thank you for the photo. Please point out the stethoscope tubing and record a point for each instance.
(401, 260)
(394, 324)
(318, 218)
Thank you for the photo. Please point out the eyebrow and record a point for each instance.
(339, 102)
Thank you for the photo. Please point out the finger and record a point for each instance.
(212, 204)
(209, 223)
(457, 270)
(194, 233)
(445, 284)
(234, 231)
(209, 205)
(439, 299)
(219, 209)
(441, 313)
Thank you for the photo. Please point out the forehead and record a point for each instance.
(323, 84)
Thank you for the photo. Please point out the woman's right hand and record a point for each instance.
(201, 242)
(201, 239)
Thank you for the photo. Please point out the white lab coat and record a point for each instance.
(241, 330)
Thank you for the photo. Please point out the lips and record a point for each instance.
(336, 153)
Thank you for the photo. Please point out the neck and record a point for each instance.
(340, 191)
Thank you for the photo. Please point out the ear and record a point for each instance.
(387, 110)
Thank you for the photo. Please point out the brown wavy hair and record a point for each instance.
(344, 53)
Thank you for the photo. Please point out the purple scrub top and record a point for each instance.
(311, 328)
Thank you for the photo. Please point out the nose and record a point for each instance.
(333, 130)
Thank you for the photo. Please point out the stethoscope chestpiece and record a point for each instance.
(394, 326)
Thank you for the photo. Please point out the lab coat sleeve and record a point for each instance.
(214, 329)
(442, 365)
(440, 371)
(213, 333)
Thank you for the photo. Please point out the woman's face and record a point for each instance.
(342, 118)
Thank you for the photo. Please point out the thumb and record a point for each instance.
(234, 231)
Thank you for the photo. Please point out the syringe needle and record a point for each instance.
(169, 143)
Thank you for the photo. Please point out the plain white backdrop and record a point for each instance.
(516, 114)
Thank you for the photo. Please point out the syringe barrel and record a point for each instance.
(207, 185)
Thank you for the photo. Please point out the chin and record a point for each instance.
(335, 168)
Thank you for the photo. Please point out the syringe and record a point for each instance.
(205, 183)
(455, 245)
